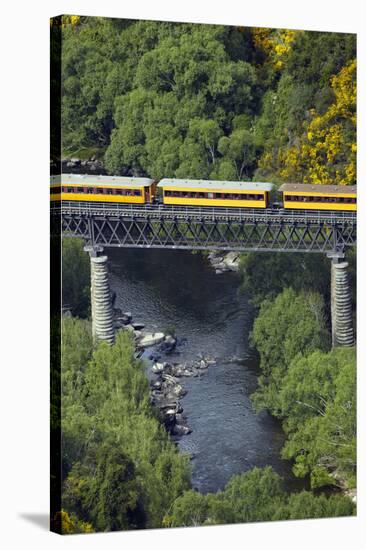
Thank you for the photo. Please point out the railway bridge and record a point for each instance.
(104, 225)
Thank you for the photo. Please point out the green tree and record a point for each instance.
(266, 275)
(318, 398)
(305, 505)
(112, 438)
(291, 324)
(256, 495)
(253, 496)
(189, 510)
(75, 277)
(105, 489)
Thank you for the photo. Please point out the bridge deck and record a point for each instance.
(205, 228)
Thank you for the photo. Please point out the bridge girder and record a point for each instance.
(258, 232)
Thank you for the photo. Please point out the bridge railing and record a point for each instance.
(207, 213)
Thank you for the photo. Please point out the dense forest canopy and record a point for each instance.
(209, 101)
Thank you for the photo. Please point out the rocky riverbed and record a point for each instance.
(224, 261)
(165, 377)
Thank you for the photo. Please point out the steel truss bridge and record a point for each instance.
(205, 228)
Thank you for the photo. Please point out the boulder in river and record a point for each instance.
(180, 418)
(178, 390)
(151, 339)
(138, 326)
(179, 429)
(169, 344)
(122, 318)
(186, 372)
(156, 385)
(157, 368)
(232, 261)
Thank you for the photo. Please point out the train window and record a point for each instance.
(210, 195)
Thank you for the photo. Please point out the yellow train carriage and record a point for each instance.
(215, 193)
(108, 189)
(319, 197)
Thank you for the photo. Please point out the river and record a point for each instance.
(171, 288)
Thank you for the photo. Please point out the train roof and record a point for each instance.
(86, 179)
(308, 188)
(215, 184)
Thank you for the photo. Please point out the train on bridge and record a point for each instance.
(203, 193)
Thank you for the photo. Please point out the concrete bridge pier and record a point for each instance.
(101, 303)
(341, 306)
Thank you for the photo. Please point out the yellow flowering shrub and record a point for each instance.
(65, 20)
(67, 525)
(276, 43)
(326, 153)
